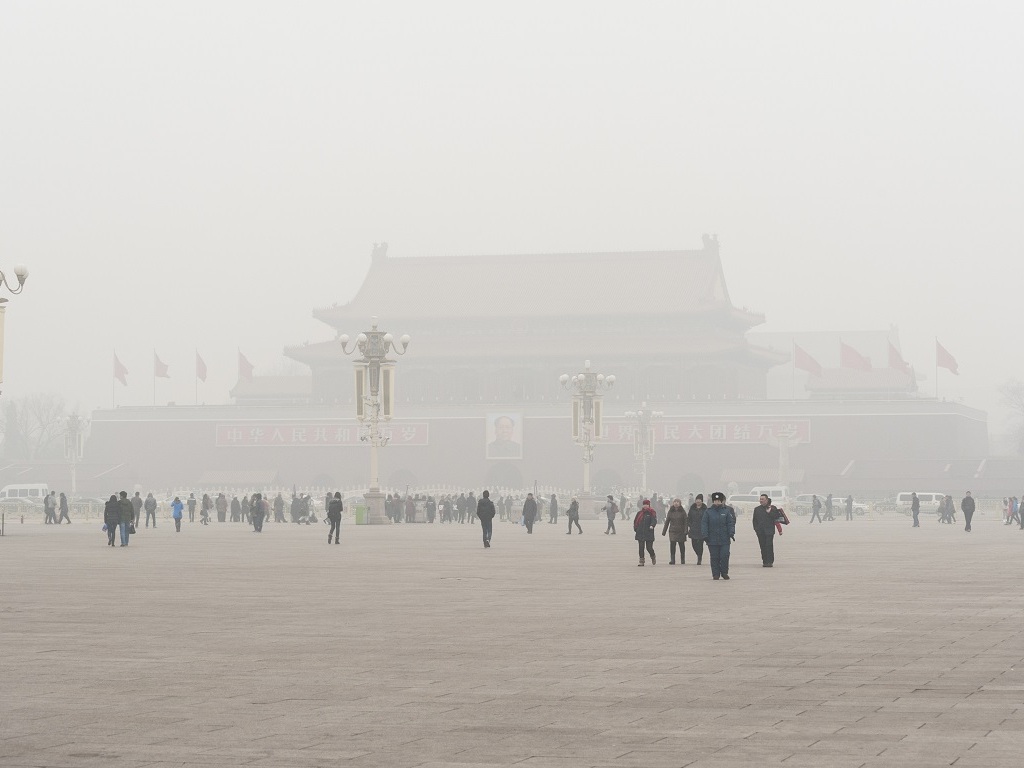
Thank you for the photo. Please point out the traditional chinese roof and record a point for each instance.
(613, 283)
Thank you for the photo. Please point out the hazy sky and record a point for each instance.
(185, 175)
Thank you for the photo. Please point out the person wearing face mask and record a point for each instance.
(693, 519)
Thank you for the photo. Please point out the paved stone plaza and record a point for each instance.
(869, 644)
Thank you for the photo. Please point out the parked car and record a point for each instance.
(929, 501)
(803, 504)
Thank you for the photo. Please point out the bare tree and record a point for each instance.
(1012, 394)
(32, 427)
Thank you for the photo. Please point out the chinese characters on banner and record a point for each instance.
(278, 433)
(708, 431)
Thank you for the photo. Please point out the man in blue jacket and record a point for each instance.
(718, 528)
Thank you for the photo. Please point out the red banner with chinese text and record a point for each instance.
(253, 434)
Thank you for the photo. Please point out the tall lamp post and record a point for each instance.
(586, 388)
(74, 438)
(643, 439)
(21, 273)
(375, 400)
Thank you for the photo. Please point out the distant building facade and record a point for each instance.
(478, 401)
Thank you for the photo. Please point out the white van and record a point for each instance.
(779, 494)
(929, 500)
(29, 492)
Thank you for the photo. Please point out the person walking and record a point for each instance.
(849, 507)
(205, 507)
(693, 520)
(111, 518)
(191, 507)
(529, 512)
(137, 508)
(915, 509)
(221, 504)
(49, 509)
(62, 505)
(553, 510)
(279, 508)
(485, 511)
(177, 508)
(675, 527)
(766, 516)
(256, 512)
(611, 511)
(643, 526)
(966, 506)
(126, 522)
(573, 513)
(334, 510)
(828, 508)
(150, 506)
(718, 528)
(430, 507)
(815, 509)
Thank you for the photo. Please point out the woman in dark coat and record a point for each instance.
(111, 518)
(675, 526)
(644, 524)
(334, 510)
(62, 505)
(693, 518)
(573, 513)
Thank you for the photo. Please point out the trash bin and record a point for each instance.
(360, 515)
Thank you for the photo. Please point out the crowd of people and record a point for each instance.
(708, 528)
(123, 514)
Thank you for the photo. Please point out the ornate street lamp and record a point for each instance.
(586, 388)
(643, 439)
(375, 400)
(21, 273)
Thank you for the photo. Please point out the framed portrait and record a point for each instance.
(504, 436)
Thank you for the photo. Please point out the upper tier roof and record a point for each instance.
(549, 285)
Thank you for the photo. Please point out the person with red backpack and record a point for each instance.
(644, 523)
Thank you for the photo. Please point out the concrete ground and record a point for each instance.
(869, 644)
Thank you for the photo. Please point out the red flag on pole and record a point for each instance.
(200, 368)
(159, 368)
(245, 368)
(945, 360)
(851, 358)
(896, 360)
(120, 372)
(804, 361)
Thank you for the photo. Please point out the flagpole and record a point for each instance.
(936, 368)
(113, 404)
(197, 376)
(793, 389)
(154, 378)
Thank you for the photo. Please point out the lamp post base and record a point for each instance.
(590, 505)
(375, 508)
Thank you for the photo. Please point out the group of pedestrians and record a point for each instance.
(1011, 512)
(713, 527)
(828, 507)
(52, 505)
